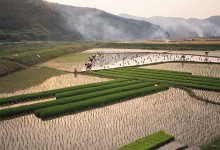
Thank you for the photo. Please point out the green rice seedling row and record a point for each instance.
(49, 112)
(12, 112)
(162, 78)
(46, 94)
(93, 89)
(170, 81)
(187, 76)
(150, 142)
(210, 81)
(157, 71)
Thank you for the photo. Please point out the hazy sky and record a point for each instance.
(147, 8)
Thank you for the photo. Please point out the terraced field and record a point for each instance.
(77, 98)
(128, 83)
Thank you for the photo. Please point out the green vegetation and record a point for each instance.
(44, 23)
(7, 67)
(150, 142)
(31, 54)
(49, 112)
(12, 112)
(46, 94)
(93, 89)
(215, 145)
(204, 47)
(24, 79)
(172, 78)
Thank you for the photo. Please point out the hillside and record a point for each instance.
(32, 20)
(179, 28)
(215, 20)
(41, 20)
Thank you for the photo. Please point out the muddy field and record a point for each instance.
(190, 121)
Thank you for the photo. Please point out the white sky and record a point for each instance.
(148, 8)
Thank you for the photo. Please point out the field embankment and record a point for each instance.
(7, 67)
(164, 46)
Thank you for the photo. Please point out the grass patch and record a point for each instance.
(28, 52)
(150, 142)
(7, 67)
(26, 78)
(215, 145)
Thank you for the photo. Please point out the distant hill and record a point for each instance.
(41, 20)
(214, 19)
(185, 28)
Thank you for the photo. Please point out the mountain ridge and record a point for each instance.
(184, 28)
(42, 20)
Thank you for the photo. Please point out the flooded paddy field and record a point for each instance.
(190, 121)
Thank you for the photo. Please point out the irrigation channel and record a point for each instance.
(116, 60)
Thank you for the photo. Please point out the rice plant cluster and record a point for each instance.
(150, 142)
(171, 78)
(190, 121)
(113, 126)
(196, 69)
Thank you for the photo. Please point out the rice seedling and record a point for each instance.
(12, 112)
(150, 142)
(94, 102)
(46, 94)
(190, 121)
(203, 83)
(195, 69)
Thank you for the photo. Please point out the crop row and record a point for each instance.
(11, 112)
(190, 79)
(46, 94)
(169, 72)
(94, 89)
(50, 112)
(150, 142)
(159, 72)
(183, 76)
(156, 80)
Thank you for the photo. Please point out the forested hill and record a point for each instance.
(41, 20)
(32, 20)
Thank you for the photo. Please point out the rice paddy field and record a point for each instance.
(196, 69)
(108, 109)
(68, 62)
(188, 120)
